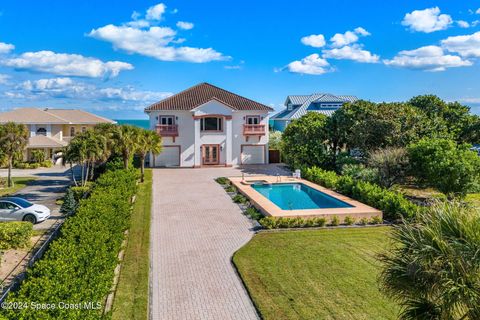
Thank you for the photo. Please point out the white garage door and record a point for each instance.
(169, 157)
(253, 155)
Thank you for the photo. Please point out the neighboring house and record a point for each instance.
(51, 129)
(206, 125)
(299, 105)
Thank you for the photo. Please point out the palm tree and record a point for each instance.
(13, 141)
(148, 141)
(434, 267)
(125, 141)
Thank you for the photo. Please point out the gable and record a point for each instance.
(213, 106)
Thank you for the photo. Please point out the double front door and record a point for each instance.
(210, 154)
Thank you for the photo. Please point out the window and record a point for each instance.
(253, 120)
(72, 131)
(289, 106)
(84, 129)
(211, 124)
(41, 132)
(167, 120)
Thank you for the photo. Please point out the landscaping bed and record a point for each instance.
(316, 274)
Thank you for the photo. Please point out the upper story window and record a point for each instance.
(72, 131)
(41, 132)
(211, 124)
(166, 120)
(252, 120)
(289, 106)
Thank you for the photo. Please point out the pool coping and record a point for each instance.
(268, 208)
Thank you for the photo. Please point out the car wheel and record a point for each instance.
(30, 218)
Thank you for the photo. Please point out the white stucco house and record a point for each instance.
(209, 126)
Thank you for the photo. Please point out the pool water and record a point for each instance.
(297, 196)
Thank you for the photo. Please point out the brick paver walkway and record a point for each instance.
(195, 230)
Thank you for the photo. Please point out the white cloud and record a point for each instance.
(185, 25)
(344, 39)
(427, 20)
(153, 42)
(428, 58)
(478, 11)
(312, 64)
(6, 47)
(235, 67)
(155, 12)
(463, 24)
(4, 78)
(314, 40)
(466, 46)
(66, 64)
(355, 53)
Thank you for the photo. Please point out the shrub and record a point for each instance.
(376, 220)
(334, 221)
(253, 213)
(297, 222)
(38, 156)
(349, 220)
(80, 192)
(391, 165)
(69, 205)
(238, 198)
(319, 222)
(230, 188)
(15, 234)
(363, 221)
(222, 180)
(79, 265)
(360, 172)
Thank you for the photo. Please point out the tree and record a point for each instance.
(441, 163)
(433, 268)
(148, 141)
(13, 141)
(391, 164)
(304, 141)
(125, 138)
(274, 140)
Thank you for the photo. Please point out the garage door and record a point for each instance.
(253, 155)
(169, 157)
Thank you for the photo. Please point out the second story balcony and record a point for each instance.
(253, 129)
(167, 130)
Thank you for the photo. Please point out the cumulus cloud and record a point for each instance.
(140, 37)
(344, 39)
(355, 53)
(428, 58)
(314, 40)
(463, 24)
(312, 64)
(185, 25)
(478, 11)
(66, 64)
(6, 47)
(427, 20)
(4, 78)
(465, 46)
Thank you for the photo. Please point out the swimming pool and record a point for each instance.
(297, 196)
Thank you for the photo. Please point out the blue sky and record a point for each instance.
(116, 57)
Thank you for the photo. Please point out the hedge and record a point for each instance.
(15, 234)
(78, 267)
(393, 204)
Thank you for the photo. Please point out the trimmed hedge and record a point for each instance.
(78, 267)
(393, 204)
(15, 235)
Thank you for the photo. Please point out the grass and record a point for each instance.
(474, 198)
(18, 183)
(316, 274)
(131, 298)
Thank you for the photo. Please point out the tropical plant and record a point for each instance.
(360, 172)
(148, 141)
(274, 140)
(38, 156)
(13, 141)
(125, 140)
(391, 165)
(433, 267)
(69, 205)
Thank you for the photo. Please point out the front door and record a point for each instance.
(210, 154)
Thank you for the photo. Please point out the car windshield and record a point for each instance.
(21, 202)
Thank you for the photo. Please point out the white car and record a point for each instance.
(18, 209)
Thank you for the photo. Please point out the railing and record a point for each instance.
(254, 129)
(167, 130)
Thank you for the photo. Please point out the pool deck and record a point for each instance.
(268, 208)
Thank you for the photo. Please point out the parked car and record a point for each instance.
(18, 209)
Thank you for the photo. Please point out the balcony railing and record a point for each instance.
(254, 129)
(167, 130)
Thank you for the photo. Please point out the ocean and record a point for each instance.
(145, 124)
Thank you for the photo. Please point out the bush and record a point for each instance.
(230, 188)
(238, 198)
(349, 220)
(335, 221)
(80, 192)
(38, 156)
(363, 221)
(298, 222)
(15, 235)
(69, 205)
(79, 265)
(222, 180)
(376, 220)
(360, 172)
(391, 165)
(253, 213)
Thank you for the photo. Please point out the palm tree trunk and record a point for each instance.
(125, 160)
(83, 173)
(142, 167)
(86, 174)
(73, 175)
(10, 180)
(92, 171)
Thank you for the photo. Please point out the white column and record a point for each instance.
(49, 130)
(198, 144)
(33, 130)
(228, 141)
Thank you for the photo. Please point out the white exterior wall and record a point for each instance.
(230, 139)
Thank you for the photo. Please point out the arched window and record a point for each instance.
(41, 132)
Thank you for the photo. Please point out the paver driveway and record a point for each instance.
(195, 230)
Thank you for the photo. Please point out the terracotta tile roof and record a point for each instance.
(202, 93)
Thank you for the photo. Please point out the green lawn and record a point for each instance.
(18, 183)
(316, 274)
(131, 298)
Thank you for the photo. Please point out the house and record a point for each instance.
(298, 105)
(51, 129)
(206, 125)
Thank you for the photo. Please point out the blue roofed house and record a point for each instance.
(299, 105)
